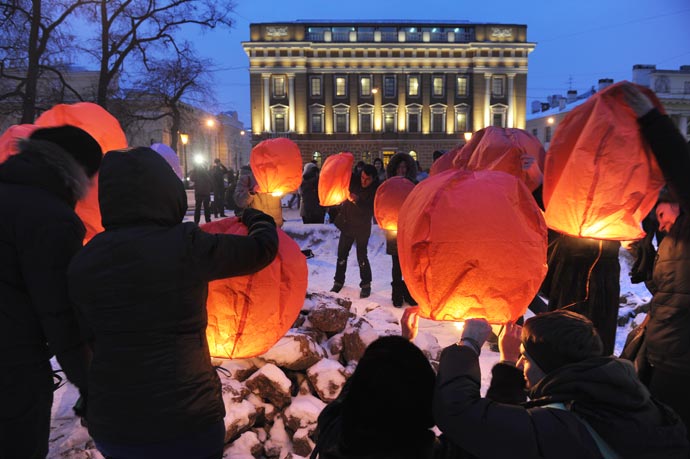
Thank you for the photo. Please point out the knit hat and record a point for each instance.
(559, 338)
(75, 141)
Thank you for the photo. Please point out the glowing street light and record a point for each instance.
(199, 159)
(468, 136)
(550, 120)
(210, 122)
(184, 138)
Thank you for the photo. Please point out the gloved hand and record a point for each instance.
(250, 216)
(475, 333)
(636, 99)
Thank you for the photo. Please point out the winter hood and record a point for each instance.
(138, 187)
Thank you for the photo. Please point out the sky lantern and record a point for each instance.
(389, 198)
(103, 127)
(601, 178)
(247, 315)
(277, 166)
(10, 138)
(170, 157)
(503, 149)
(472, 245)
(334, 179)
(445, 162)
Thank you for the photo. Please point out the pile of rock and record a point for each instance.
(273, 401)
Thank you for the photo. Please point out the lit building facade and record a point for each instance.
(378, 88)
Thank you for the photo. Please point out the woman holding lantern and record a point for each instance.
(668, 329)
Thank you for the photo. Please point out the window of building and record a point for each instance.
(365, 86)
(366, 114)
(461, 112)
(340, 86)
(279, 122)
(317, 123)
(367, 157)
(341, 119)
(535, 132)
(279, 86)
(413, 85)
(437, 85)
(497, 84)
(461, 83)
(547, 134)
(390, 118)
(315, 86)
(498, 115)
(414, 116)
(389, 86)
(438, 118)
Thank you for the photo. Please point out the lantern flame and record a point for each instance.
(277, 193)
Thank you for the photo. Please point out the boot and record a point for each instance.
(365, 292)
(397, 295)
(337, 287)
(408, 298)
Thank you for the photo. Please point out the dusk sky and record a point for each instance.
(577, 42)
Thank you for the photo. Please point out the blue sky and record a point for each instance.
(577, 42)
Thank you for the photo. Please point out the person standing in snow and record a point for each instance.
(202, 193)
(354, 223)
(667, 335)
(141, 286)
(309, 209)
(39, 235)
(218, 172)
(582, 404)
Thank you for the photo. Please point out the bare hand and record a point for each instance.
(636, 99)
(409, 323)
(509, 342)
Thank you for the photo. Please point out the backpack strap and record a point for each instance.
(604, 448)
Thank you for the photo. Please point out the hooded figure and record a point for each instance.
(310, 209)
(39, 235)
(141, 286)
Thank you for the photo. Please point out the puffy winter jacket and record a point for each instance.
(142, 286)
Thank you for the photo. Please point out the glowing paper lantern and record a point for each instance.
(389, 198)
(499, 149)
(247, 315)
(334, 179)
(472, 245)
(170, 156)
(9, 139)
(103, 127)
(445, 162)
(600, 178)
(277, 166)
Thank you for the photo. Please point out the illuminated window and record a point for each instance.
(278, 86)
(438, 118)
(390, 118)
(413, 154)
(437, 86)
(317, 157)
(497, 83)
(365, 86)
(389, 86)
(413, 86)
(340, 86)
(461, 82)
(315, 86)
(461, 118)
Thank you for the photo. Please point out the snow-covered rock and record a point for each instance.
(247, 446)
(303, 411)
(327, 377)
(295, 351)
(356, 337)
(302, 444)
(329, 318)
(270, 383)
(239, 418)
(278, 443)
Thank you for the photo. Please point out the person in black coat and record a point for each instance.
(310, 210)
(202, 193)
(39, 234)
(582, 404)
(354, 223)
(668, 328)
(218, 172)
(141, 286)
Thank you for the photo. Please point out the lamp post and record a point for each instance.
(184, 138)
(213, 149)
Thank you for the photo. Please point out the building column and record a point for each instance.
(511, 101)
(487, 100)
(291, 101)
(683, 125)
(266, 80)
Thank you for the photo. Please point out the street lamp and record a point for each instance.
(184, 138)
(468, 136)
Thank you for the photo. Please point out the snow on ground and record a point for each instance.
(70, 440)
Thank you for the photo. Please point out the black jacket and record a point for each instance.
(310, 208)
(39, 235)
(142, 287)
(668, 329)
(604, 391)
(202, 182)
(354, 218)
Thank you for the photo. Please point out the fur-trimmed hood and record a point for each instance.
(47, 166)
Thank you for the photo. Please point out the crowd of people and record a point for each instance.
(125, 316)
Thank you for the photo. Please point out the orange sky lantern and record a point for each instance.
(501, 149)
(334, 179)
(472, 245)
(103, 127)
(247, 315)
(445, 162)
(9, 139)
(277, 166)
(389, 198)
(600, 178)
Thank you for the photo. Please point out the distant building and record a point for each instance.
(672, 87)
(380, 87)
